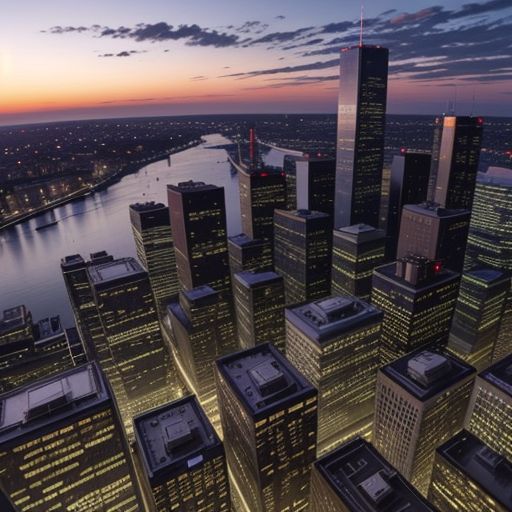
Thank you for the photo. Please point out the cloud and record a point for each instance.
(485, 7)
(280, 37)
(280, 17)
(288, 69)
(65, 30)
(125, 53)
(198, 78)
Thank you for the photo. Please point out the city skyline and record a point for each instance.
(103, 61)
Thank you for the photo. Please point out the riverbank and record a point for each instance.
(127, 169)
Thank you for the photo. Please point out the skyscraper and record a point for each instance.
(435, 233)
(420, 402)
(198, 220)
(261, 191)
(410, 173)
(182, 459)
(478, 313)
(259, 306)
(360, 140)
(355, 477)
(418, 298)
(269, 419)
(468, 476)
(155, 249)
(248, 254)
(302, 253)
(489, 415)
(334, 343)
(455, 156)
(62, 448)
(356, 252)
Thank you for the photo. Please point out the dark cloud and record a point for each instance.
(65, 30)
(288, 69)
(198, 78)
(311, 42)
(280, 17)
(125, 53)
(280, 37)
(485, 7)
(340, 26)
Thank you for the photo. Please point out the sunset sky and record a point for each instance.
(108, 58)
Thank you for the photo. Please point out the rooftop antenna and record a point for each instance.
(361, 28)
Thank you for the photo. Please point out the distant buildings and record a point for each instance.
(455, 156)
(182, 459)
(355, 477)
(248, 254)
(259, 306)
(418, 298)
(420, 402)
(435, 233)
(155, 249)
(69, 423)
(356, 252)
(334, 343)
(360, 139)
(469, 476)
(302, 253)
(269, 420)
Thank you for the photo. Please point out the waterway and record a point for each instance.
(30, 260)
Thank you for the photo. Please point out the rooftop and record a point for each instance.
(500, 374)
(496, 176)
(150, 206)
(487, 275)
(49, 327)
(72, 261)
(436, 210)
(31, 408)
(366, 482)
(360, 233)
(264, 380)
(302, 215)
(491, 471)
(250, 279)
(192, 186)
(14, 318)
(427, 373)
(174, 438)
(333, 317)
(243, 240)
(111, 271)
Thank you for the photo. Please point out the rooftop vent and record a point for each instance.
(268, 378)
(426, 368)
(177, 434)
(489, 458)
(47, 399)
(376, 488)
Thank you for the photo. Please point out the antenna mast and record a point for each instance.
(361, 29)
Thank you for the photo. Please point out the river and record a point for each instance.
(30, 260)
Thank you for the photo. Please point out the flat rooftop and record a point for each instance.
(366, 482)
(253, 279)
(243, 240)
(264, 380)
(150, 206)
(436, 210)
(14, 318)
(330, 318)
(30, 409)
(302, 215)
(501, 176)
(500, 375)
(426, 373)
(360, 233)
(72, 261)
(487, 275)
(175, 438)
(111, 271)
(489, 470)
(192, 186)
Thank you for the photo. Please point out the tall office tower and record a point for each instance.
(302, 253)
(410, 173)
(198, 220)
(259, 306)
(490, 239)
(195, 324)
(139, 359)
(290, 173)
(182, 460)
(455, 156)
(356, 478)
(248, 254)
(151, 228)
(470, 477)
(420, 402)
(360, 140)
(418, 299)
(62, 448)
(334, 343)
(435, 233)
(356, 251)
(489, 415)
(261, 191)
(30, 351)
(269, 419)
(478, 314)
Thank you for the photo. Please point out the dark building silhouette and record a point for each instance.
(261, 191)
(290, 172)
(198, 220)
(302, 253)
(418, 298)
(356, 251)
(259, 306)
(269, 419)
(155, 249)
(62, 448)
(334, 343)
(455, 156)
(360, 139)
(410, 172)
(420, 402)
(470, 476)
(355, 477)
(182, 459)
(478, 313)
(246, 254)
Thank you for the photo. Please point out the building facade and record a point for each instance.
(246, 254)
